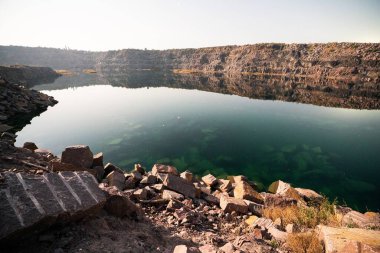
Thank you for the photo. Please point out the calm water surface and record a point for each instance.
(334, 151)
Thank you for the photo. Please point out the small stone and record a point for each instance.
(244, 191)
(139, 169)
(227, 248)
(229, 204)
(255, 208)
(251, 220)
(30, 145)
(289, 228)
(109, 167)
(167, 194)
(149, 179)
(158, 187)
(224, 185)
(117, 179)
(187, 175)
(166, 169)
(97, 160)
(210, 180)
(208, 248)
(141, 194)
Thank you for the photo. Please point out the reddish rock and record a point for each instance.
(277, 200)
(167, 194)
(229, 204)
(79, 155)
(210, 180)
(208, 248)
(116, 179)
(187, 175)
(166, 169)
(211, 199)
(139, 169)
(255, 208)
(97, 160)
(180, 185)
(149, 179)
(244, 191)
(141, 194)
(99, 172)
(110, 167)
(224, 185)
(354, 218)
(185, 249)
(121, 206)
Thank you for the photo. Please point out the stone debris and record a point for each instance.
(208, 217)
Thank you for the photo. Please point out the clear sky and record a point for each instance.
(161, 24)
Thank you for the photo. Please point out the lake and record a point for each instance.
(331, 150)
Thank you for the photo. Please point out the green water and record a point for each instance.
(334, 151)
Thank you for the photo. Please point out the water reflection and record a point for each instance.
(330, 93)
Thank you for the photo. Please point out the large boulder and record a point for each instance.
(349, 240)
(79, 155)
(244, 191)
(34, 202)
(180, 185)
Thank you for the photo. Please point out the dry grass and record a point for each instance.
(304, 243)
(89, 71)
(304, 216)
(64, 72)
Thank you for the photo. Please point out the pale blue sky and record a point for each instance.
(159, 24)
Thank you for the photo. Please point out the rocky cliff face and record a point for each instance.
(344, 61)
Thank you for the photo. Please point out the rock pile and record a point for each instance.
(205, 214)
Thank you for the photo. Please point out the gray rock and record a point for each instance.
(29, 201)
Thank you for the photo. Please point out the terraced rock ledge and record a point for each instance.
(79, 203)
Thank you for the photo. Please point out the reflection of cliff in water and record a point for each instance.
(323, 92)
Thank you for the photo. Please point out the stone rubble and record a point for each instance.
(206, 214)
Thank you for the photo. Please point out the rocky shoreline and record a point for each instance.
(168, 211)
